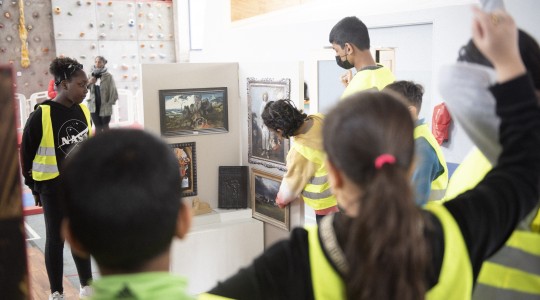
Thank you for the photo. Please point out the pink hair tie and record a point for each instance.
(384, 159)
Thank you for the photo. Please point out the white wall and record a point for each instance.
(298, 32)
(213, 150)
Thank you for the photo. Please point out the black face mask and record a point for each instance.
(344, 64)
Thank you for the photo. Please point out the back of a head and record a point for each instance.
(123, 195)
(364, 126)
(283, 114)
(350, 30)
(412, 92)
(528, 49)
(385, 250)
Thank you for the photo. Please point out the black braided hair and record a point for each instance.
(63, 68)
(283, 114)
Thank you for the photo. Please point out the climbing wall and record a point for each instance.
(40, 41)
(127, 33)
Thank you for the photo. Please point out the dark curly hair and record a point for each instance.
(283, 114)
(64, 68)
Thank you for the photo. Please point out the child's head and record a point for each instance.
(69, 79)
(350, 30)
(350, 40)
(283, 117)
(411, 92)
(365, 126)
(368, 138)
(65, 68)
(123, 199)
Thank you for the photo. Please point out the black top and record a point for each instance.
(69, 129)
(486, 215)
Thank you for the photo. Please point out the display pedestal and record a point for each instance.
(217, 246)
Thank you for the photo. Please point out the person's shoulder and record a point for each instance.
(423, 145)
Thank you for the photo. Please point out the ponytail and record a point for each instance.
(386, 249)
(369, 138)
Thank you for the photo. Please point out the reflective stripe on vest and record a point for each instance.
(513, 272)
(317, 193)
(455, 279)
(438, 186)
(44, 165)
(326, 282)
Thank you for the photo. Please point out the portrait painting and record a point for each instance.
(187, 160)
(265, 187)
(193, 111)
(264, 146)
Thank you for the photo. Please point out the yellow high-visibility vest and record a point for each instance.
(326, 282)
(44, 165)
(369, 78)
(439, 185)
(513, 272)
(317, 193)
(468, 174)
(455, 279)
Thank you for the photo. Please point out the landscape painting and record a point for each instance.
(264, 206)
(193, 111)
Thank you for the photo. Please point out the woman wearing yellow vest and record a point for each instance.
(383, 246)
(51, 133)
(306, 174)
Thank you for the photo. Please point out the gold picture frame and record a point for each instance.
(264, 189)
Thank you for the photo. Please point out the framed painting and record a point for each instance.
(264, 147)
(187, 160)
(265, 187)
(193, 111)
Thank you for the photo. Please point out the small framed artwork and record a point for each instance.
(265, 187)
(233, 187)
(187, 160)
(264, 147)
(193, 111)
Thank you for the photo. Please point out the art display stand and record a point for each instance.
(227, 148)
(217, 246)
